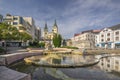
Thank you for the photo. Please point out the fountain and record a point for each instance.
(62, 58)
(48, 46)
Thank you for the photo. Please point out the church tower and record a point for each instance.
(45, 31)
(55, 28)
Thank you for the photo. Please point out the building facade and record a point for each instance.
(68, 42)
(50, 35)
(109, 37)
(38, 33)
(85, 39)
(23, 24)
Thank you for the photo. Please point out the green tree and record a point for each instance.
(42, 44)
(57, 40)
(23, 36)
(8, 33)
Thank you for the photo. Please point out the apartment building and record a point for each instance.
(109, 37)
(23, 24)
(38, 33)
(85, 39)
(33, 28)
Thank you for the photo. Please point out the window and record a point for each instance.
(117, 38)
(108, 34)
(116, 67)
(117, 33)
(108, 65)
(102, 40)
(102, 35)
(108, 39)
(102, 63)
(116, 62)
(15, 23)
(15, 18)
(108, 60)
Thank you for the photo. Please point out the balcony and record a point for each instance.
(22, 28)
(8, 19)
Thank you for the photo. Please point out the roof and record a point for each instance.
(87, 31)
(115, 27)
(76, 34)
(96, 31)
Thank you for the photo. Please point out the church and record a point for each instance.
(49, 35)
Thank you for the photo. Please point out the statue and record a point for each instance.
(48, 46)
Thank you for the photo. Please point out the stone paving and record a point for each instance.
(15, 56)
(8, 74)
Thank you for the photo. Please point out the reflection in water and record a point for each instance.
(110, 64)
(62, 59)
(43, 73)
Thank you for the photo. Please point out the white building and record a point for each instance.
(85, 39)
(109, 37)
(30, 21)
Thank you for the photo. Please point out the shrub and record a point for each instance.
(1, 50)
(42, 44)
(70, 47)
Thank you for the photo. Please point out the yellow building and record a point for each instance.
(49, 35)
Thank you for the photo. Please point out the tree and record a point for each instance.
(57, 40)
(42, 44)
(23, 36)
(7, 33)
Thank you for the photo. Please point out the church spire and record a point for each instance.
(55, 24)
(45, 28)
(55, 28)
(46, 25)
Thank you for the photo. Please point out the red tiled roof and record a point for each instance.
(96, 31)
(76, 34)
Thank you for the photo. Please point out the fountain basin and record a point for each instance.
(62, 60)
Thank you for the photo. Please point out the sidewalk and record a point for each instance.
(8, 74)
(15, 50)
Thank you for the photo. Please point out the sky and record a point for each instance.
(72, 16)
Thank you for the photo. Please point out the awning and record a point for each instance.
(117, 42)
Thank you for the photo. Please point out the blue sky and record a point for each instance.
(73, 16)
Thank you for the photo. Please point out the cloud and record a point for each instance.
(88, 14)
(72, 16)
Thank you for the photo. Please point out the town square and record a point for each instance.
(59, 40)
